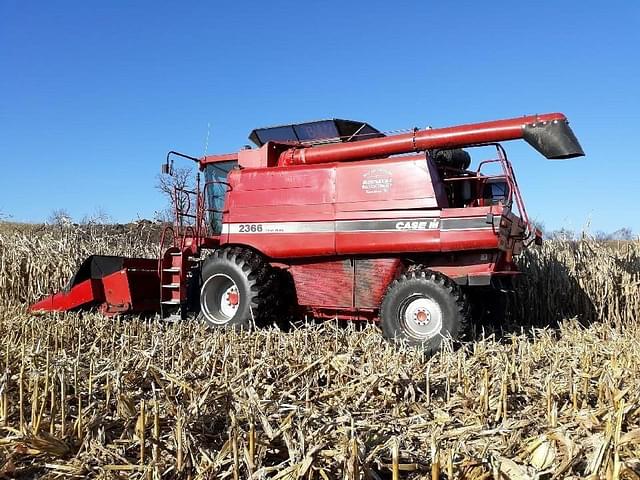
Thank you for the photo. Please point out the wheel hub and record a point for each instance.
(421, 317)
(219, 299)
(229, 301)
(232, 296)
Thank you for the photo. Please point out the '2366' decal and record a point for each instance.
(249, 228)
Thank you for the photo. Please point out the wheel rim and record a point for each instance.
(219, 299)
(421, 317)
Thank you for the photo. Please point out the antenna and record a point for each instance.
(206, 143)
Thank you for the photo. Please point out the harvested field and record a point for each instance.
(553, 394)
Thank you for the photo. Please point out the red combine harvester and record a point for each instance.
(339, 220)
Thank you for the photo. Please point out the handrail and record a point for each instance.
(166, 229)
(509, 175)
(504, 175)
(181, 211)
(204, 193)
(184, 208)
(184, 236)
(508, 169)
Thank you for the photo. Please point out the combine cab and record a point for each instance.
(337, 219)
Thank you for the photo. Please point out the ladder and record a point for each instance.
(179, 258)
(175, 267)
(172, 277)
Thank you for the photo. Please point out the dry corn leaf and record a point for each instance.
(512, 470)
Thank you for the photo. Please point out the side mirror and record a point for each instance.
(167, 169)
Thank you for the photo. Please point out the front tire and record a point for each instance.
(235, 286)
(422, 307)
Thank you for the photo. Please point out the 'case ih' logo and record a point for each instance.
(418, 225)
(377, 180)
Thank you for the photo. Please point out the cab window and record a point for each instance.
(216, 180)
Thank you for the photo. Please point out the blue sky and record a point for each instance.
(93, 94)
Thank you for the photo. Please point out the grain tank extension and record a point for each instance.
(336, 219)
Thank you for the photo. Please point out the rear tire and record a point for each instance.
(422, 307)
(235, 288)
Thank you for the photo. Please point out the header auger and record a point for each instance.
(336, 219)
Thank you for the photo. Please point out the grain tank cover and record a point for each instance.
(320, 131)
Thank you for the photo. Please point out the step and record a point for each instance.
(171, 285)
(171, 302)
(171, 270)
(176, 254)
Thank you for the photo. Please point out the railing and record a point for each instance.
(187, 221)
(508, 175)
(513, 184)
(191, 210)
(182, 205)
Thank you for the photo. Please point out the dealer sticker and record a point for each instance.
(377, 180)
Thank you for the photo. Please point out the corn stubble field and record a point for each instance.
(554, 394)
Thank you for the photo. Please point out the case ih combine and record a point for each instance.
(339, 220)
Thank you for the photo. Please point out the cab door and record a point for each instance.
(215, 190)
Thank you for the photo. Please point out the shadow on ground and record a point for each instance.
(539, 299)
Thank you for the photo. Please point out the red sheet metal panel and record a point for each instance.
(379, 184)
(477, 239)
(133, 290)
(391, 241)
(280, 212)
(116, 291)
(275, 187)
(84, 293)
(372, 277)
(288, 245)
(324, 284)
